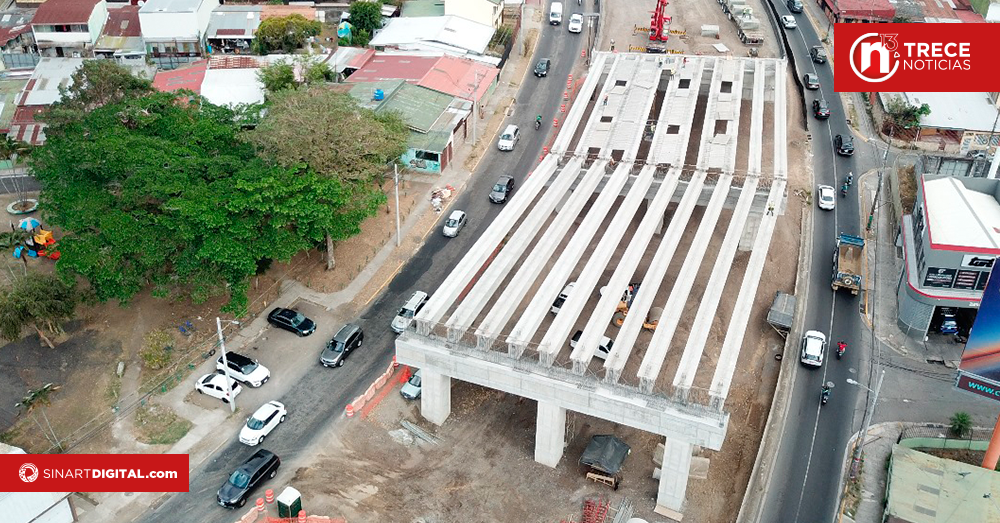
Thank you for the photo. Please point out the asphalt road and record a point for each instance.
(323, 393)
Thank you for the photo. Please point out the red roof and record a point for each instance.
(9, 33)
(863, 9)
(189, 77)
(394, 67)
(459, 77)
(123, 21)
(64, 12)
(969, 17)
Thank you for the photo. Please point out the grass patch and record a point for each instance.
(158, 425)
(907, 180)
(114, 389)
(853, 496)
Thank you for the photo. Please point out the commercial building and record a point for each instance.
(922, 488)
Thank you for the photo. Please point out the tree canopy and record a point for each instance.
(37, 301)
(285, 74)
(366, 16)
(95, 84)
(285, 33)
(901, 115)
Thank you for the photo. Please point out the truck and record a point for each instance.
(747, 25)
(555, 13)
(847, 263)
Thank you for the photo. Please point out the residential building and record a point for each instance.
(175, 30)
(950, 244)
(41, 91)
(121, 39)
(458, 77)
(417, 8)
(864, 11)
(959, 123)
(35, 507)
(224, 80)
(922, 488)
(486, 12)
(17, 42)
(68, 28)
(451, 35)
(231, 28)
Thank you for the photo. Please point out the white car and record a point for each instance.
(789, 22)
(215, 386)
(244, 369)
(813, 347)
(575, 23)
(826, 197)
(268, 416)
(454, 224)
(509, 138)
(411, 389)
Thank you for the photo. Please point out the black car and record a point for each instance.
(542, 67)
(811, 81)
(291, 321)
(502, 190)
(844, 144)
(247, 477)
(821, 109)
(818, 54)
(794, 6)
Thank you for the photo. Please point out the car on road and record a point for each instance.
(509, 138)
(260, 467)
(821, 109)
(502, 189)
(542, 67)
(813, 347)
(291, 321)
(348, 339)
(794, 6)
(844, 144)
(262, 422)
(411, 389)
(214, 385)
(818, 54)
(244, 369)
(454, 224)
(811, 80)
(404, 317)
(575, 23)
(788, 21)
(826, 197)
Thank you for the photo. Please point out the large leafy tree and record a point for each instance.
(285, 74)
(159, 190)
(901, 115)
(366, 16)
(339, 140)
(36, 301)
(285, 33)
(95, 84)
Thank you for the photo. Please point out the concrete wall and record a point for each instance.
(97, 19)
(482, 11)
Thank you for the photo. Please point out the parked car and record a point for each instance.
(794, 6)
(788, 21)
(348, 339)
(244, 369)
(826, 197)
(509, 138)
(502, 189)
(818, 54)
(811, 80)
(404, 317)
(542, 67)
(291, 321)
(602, 350)
(263, 421)
(454, 224)
(821, 109)
(260, 467)
(813, 346)
(561, 299)
(844, 144)
(575, 23)
(214, 385)
(411, 389)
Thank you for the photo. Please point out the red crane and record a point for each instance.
(659, 22)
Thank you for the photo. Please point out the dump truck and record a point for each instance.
(747, 25)
(847, 263)
(782, 313)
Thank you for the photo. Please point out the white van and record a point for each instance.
(410, 309)
(602, 350)
(555, 13)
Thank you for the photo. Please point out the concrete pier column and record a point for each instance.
(550, 434)
(673, 479)
(435, 396)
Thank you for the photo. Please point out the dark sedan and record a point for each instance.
(811, 80)
(542, 67)
(251, 474)
(821, 109)
(844, 144)
(502, 189)
(291, 321)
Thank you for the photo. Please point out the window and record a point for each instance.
(428, 156)
(605, 119)
(620, 83)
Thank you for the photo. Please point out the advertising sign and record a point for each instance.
(978, 261)
(966, 280)
(981, 358)
(939, 277)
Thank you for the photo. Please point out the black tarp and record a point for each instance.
(605, 453)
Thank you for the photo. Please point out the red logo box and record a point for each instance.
(949, 58)
(94, 472)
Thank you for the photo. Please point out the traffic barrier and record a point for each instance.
(583, 53)
(370, 393)
(302, 516)
(380, 382)
(349, 411)
(562, 108)
(555, 122)
(260, 504)
(269, 496)
(394, 362)
(566, 94)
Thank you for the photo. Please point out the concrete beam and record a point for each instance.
(673, 479)
(579, 108)
(678, 109)
(607, 102)
(550, 434)
(435, 396)
(757, 120)
(630, 126)
(780, 122)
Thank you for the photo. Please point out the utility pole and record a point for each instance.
(869, 412)
(878, 188)
(395, 175)
(225, 365)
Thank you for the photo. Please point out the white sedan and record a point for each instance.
(268, 416)
(215, 386)
(826, 197)
(575, 23)
(789, 22)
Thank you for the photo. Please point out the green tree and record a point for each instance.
(95, 84)
(285, 33)
(37, 301)
(961, 424)
(335, 137)
(152, 191)
(901, 115)
(365, 16)
(284, 74)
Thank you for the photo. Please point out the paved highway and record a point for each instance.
(323, 393)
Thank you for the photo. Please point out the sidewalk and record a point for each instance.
(878, 447)
(205, 437)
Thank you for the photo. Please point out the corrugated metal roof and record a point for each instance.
(234, 22)
(123, 21)
(173, 6)
(460, 77)
(420, 107)
(14, 22)
(928, 489)
(65, 11)
(454, 32)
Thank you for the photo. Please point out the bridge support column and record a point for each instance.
(550, 434)
(673, 479)
(435, 396)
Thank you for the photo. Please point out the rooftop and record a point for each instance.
(394, 67)
(49, 74)
(65, 12)
(927, 489)
(420, 107)
(189, 77)
(9, 89)
(14, 22)
(960, 217)
(962, 111)
(232, 87)
(446, 74)
(452, 34)
(864, 8)
(418, 8)
(123, 21)
(271, 11)
(171, 6)
(234, 21)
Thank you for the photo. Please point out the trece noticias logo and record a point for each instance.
(898, 57)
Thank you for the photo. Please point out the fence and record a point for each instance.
(941, 437)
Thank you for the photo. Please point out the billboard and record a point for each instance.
(981, 358)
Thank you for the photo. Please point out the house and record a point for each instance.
(35, 507)
(486, 12)
(231, 28)
(17, 42)
(922, 488)
(864, 11)
(959, 123)
(175, 30)
(458, 77)
(451, 35)
(121, 39)
(416, 8)
(41, 91)
(68, 28)
(224, 80)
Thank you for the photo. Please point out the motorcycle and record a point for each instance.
(841, 349)
(538, 124)
(579, 2)
(843, 190)
(849, 180)
(824, 396)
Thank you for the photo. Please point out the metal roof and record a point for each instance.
(65, 12)
(172, 6)
(927, 489)
(959, 216)
(14, 22)
(123, 21)
(420, 107)
(960, 111)
(232, 87)
(239, 21)
(452, 34)
(419, 8)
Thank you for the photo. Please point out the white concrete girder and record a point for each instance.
(757, 119)
(482, 291)
(595, 133)
(780, 123)
(630, 125)
(445, 295)
(524, 280)
(678, 109)
(532, 317)
(579, 108)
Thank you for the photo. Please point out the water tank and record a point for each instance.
(379, 95)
